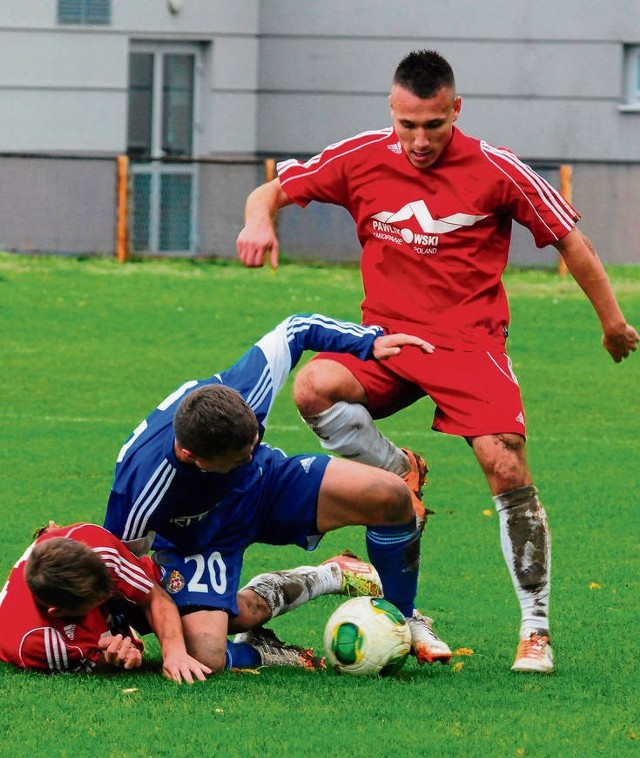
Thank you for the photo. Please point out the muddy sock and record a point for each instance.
(526, 546)
(286, 590)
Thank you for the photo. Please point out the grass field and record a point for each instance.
(89, 347)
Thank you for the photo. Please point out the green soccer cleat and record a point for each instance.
(358, 578)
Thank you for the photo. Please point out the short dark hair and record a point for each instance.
(63, 573)
(423, 73)
(212, 420)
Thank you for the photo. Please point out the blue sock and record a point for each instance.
(395, 552)
(241, 655)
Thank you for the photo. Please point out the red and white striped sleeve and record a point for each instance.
(48, 649)
(533, 202)
(323, 177)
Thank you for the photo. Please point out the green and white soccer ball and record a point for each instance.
(367, 636)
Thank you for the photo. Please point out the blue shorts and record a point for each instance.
(280, 509)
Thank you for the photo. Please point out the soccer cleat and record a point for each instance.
(415, 481)
(358, 578)
(425, 644)
(274, 652)
(534, 655)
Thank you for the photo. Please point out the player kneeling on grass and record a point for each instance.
(197, 473)
(61, 607)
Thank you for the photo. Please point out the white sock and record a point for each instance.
(526, 546)
(286, 590)
(348, 429)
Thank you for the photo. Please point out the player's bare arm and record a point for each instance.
(164, 619)
(390, 344)
(258, 237)
(618, 337)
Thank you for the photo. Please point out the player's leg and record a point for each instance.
(205, 634)
(332, 393)
(275, 593)
(353, 494)
(478, 397)
(204, 586)
(525, 541)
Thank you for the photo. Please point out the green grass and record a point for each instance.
(88, 347)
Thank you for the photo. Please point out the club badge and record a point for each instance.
(175, 582)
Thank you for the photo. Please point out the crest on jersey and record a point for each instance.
(175, 582)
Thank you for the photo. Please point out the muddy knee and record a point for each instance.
(503, 460)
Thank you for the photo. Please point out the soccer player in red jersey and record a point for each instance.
(64, 607)
(434, 210)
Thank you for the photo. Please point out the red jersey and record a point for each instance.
(32, 639)
(436, 241)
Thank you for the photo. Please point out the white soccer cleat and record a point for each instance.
(425, 643)
(358, 578)
(274, 652)
(534, 655)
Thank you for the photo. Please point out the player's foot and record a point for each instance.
(425, 643)
(274, 652)
(358, 578)
(534, 655)
(415, 481)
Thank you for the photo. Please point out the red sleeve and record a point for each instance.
(324, 177)
(530, 199)
(48, 649)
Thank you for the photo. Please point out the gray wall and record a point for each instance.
(66, 86)
(285, 77)
(544, 78)
(51, 205)
(288, 77)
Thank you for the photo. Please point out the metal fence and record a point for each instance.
(107, 205)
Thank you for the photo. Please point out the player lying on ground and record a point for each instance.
(74, 599)
(197, 473)
(58, 607)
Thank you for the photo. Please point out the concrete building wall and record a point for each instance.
(66, 85)
(285, 77)
(544, 78)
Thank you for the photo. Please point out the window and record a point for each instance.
(163, 87)
(161, 102)
(632, 77)
(84, 11)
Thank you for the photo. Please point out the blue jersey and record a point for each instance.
(191, 509)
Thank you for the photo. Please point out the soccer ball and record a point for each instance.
(367, 636)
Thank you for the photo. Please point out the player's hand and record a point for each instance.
(183, 668)
(390, 344)
(120, 651)
(257, 240)
(621, 344)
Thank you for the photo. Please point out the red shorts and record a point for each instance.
(475, 393)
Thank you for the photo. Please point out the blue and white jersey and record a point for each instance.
(153, 491)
